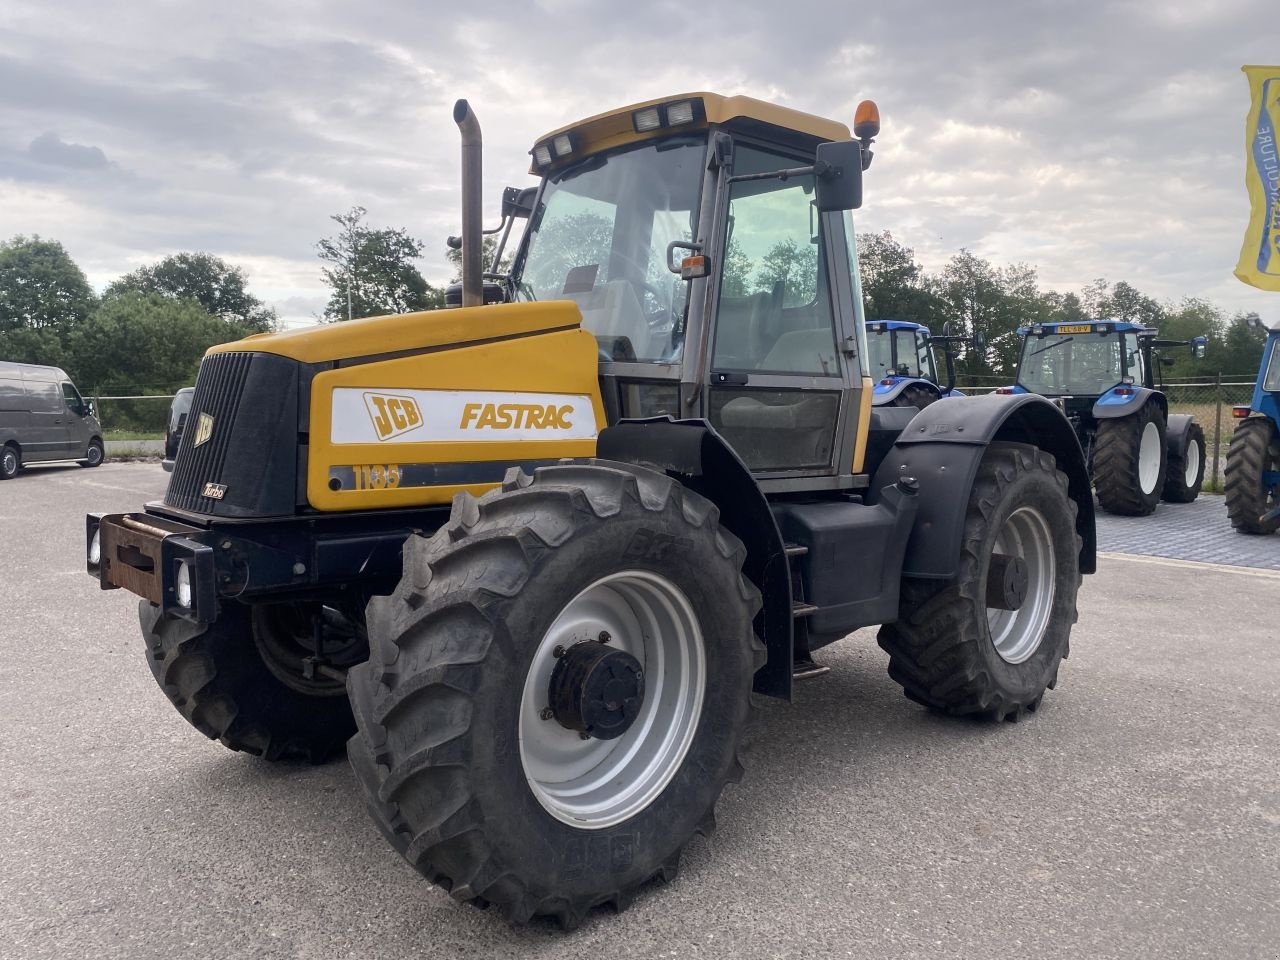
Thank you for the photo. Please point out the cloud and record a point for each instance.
(52, 149)
(1090, 139)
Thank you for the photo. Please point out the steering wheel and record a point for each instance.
(660, 316)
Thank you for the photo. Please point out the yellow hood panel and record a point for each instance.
(427, 330)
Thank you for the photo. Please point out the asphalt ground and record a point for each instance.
(1136, 815)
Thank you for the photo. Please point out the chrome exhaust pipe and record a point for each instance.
(472, 229)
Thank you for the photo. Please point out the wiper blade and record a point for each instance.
(1056, 343)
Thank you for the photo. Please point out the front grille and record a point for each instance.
(219, 390)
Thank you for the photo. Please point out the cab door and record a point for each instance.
(78, 428)
(783, 383)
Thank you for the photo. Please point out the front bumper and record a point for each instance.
(143, 553)
(355, 555)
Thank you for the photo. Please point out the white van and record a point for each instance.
(43, 417)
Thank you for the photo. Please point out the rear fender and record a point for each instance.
(888, 393)
(942, 448)
(692, 452)
(1177, 432)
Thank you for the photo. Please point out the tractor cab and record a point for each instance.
(900, 355)
(707, 242)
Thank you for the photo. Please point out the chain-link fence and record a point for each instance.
(134, 417)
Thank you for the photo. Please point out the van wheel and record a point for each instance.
(94, 455)
(10, 462)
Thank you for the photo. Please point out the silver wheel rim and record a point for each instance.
(1016, 634)
(1149, 458)
(593, 783)
(1193, 463)
(10, 461)
(95, 455)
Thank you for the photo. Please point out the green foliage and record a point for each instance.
(372, 272)
(41, 288)
(143, 343)
(489, 247)
(208, 280)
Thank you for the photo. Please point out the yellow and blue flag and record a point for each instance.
(1260, 257)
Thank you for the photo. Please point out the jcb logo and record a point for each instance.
(392, 415)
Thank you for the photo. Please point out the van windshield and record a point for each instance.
(180, 408)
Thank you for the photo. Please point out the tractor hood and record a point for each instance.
(356, 340)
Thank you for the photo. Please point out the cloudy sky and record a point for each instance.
(1090, 139)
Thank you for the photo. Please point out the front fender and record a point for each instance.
(942, 448)
(1111, 405)
(692, 452)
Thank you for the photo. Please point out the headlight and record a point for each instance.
(95, 548)
(184, 584)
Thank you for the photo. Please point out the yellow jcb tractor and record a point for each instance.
(529, 558)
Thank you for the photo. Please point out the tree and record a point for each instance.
(792, 265)
(143, 343)
(894, 286)
(208, 280)
(489, 247)
(372, 271)
(41, 288)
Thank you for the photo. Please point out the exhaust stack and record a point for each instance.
(472, 230)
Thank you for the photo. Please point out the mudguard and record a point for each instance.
(1112, 405)
(692, 452)
(887, 393)
(942, 448)
(1177, 432)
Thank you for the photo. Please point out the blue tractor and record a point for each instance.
(1102, 374)
(1253, 458)
(901, 360)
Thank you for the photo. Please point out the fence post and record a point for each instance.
(1217, 430)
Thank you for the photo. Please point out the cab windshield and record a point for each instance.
(901, 353)
(599, 238)
(1077, 363)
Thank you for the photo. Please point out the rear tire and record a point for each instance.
(953, 653)
(239, 680)
(476, 780)
(1185, 474)
(914, 396)
(95, 455)
(1130, 462)
(10, 462)
(1254, 450)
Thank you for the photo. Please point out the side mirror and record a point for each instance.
(93, 411)
(1198, 347)
(518, 203)
(838, 176)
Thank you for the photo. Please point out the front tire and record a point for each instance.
(240, 680)
(1185, 475)
(953, 652)
(479, 757)
(95, 455)
(1254, 450)
(1130, 462)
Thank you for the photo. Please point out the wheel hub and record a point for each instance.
(597, 690)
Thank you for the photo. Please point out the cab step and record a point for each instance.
(801, 609)
(795, 549)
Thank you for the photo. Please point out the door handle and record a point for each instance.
(722, 379)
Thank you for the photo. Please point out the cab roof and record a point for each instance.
(1117, 326)
(617, 127)
(895, 325)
